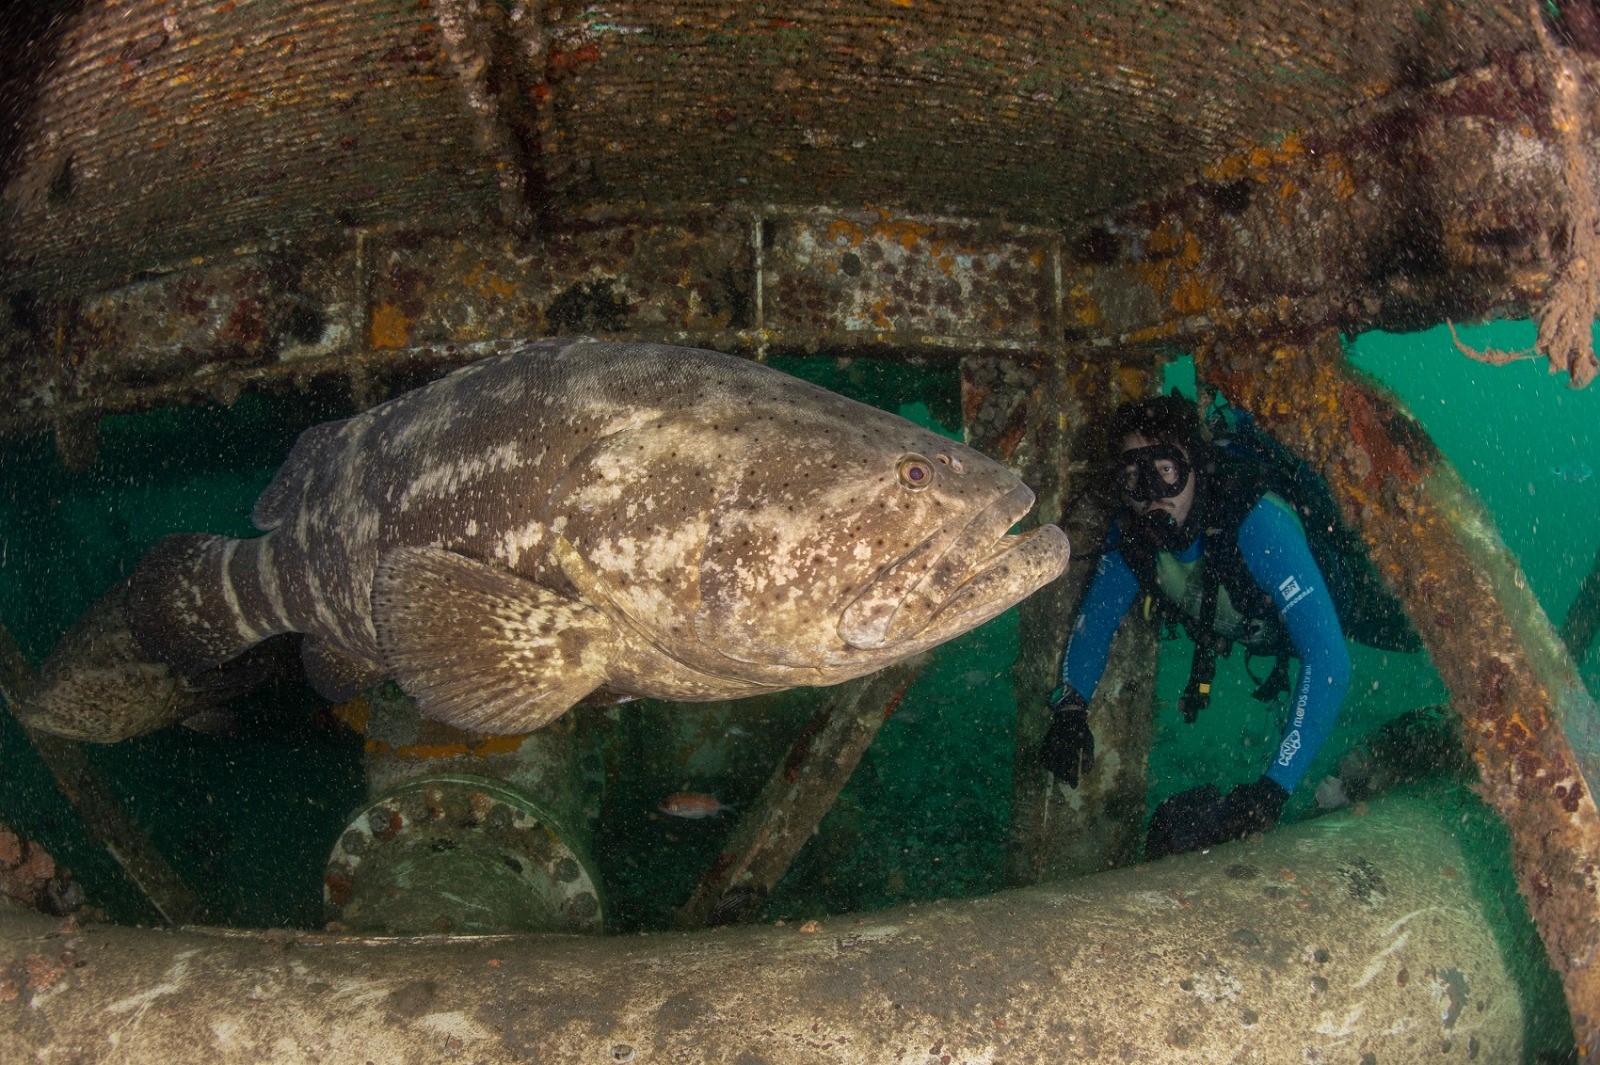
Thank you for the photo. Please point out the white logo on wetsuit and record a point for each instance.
(1290, 748)
(1292, 592)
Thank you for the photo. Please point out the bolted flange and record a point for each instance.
(459, 854)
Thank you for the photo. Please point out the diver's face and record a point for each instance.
(1148, 473)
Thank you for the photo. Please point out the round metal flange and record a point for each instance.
(459, 854)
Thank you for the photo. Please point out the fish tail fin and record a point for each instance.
(190, 601)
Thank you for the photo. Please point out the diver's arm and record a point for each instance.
(1067, 749)
(1111, 592)
(1275, 552)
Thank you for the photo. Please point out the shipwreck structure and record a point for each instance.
(202, 198)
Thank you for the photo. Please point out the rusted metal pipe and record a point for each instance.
(1529, 723)
(1347, 938)
(799, 794)
(464, 833)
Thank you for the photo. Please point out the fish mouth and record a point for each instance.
(956, 579)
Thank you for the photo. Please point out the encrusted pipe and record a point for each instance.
(1528, 722)
(1343, 939)
(464, 833)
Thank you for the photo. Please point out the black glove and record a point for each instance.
(1204, 817)
(1253, 807)
(1068, 749)
(1186, 821)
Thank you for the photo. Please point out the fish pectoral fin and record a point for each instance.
(482, 649)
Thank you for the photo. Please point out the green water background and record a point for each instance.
(248, 819)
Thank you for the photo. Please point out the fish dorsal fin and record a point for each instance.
(482, 649)
(307, 456)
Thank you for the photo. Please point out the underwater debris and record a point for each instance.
(1488, 356)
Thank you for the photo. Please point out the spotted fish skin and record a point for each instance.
(99, 686)
(578, 515)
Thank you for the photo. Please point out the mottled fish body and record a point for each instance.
(99, 685)
(579, 516)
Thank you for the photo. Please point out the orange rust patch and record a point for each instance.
(1131, 382)
(42, 972)
(389, 328)
(490, 284)
(558, 62)
(491, 745)
(1388, 459)
(1192, 295)
(356, 714)
(842, 232)
(339, 888)
(972, 398)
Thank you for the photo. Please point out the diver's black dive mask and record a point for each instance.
(1158, 471)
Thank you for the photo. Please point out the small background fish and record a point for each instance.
(692, 805)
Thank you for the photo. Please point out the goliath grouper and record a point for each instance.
(575, 517)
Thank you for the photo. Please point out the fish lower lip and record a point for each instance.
(978, 549)
(1024, 564)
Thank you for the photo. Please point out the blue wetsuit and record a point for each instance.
(1273, 547)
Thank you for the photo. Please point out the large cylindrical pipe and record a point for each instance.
(1344, 939)
(464, 833)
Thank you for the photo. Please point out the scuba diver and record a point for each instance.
(1204, 541)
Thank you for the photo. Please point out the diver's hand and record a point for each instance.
(1252, 807)
(1068, 750)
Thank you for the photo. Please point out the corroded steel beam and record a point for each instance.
(799, 794)
(762, 282)
(1425, 204)
(1529, 724)
(1057, 831)
(1348, 938)
(1041, 421)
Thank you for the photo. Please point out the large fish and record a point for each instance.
(578, 516)
(99, 685)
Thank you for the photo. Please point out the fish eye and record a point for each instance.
(916, 472)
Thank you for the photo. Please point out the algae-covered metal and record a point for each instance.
(1349, 938)
(1528, 721)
